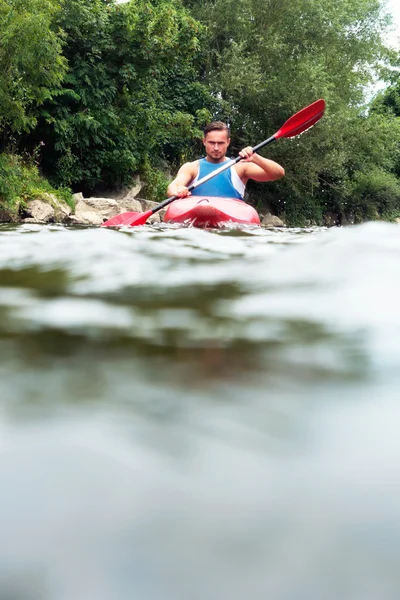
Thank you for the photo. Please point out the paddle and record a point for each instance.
(296, 124)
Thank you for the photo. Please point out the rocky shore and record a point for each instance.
(88, 211)
(97, 210)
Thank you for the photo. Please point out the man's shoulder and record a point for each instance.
(190, 166)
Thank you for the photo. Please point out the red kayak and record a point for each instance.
(210, 212)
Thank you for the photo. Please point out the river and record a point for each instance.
(199, 415)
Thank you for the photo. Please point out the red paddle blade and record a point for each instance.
(139, 219)
(302, 120)
(119, 220)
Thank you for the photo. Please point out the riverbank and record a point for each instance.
(96, 210)
(87, 211)
(26, 196)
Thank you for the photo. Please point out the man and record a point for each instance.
(230, 183)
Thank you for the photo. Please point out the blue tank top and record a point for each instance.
(226, 185)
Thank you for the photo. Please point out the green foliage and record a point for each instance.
(11, 181)
(266, 60)
(156, 183)
(301, 212)
(373, 195)
(31, 63)
(130, 96)
(386, 107)
(20, 181)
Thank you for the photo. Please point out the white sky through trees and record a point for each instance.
(393, 7)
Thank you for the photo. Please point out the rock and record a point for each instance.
(63, 212)
(86, 215)
(47, 209)
(61, 209)
(94, 211)
(149, 205)
(129, 205)
(134, 190)
(123, 193)
(32, 220)
(272, 221)
(100, 204)
(88, 211)
(39, 211)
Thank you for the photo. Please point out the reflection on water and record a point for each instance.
(198, 414)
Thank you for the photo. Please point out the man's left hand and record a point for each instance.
(247, 154)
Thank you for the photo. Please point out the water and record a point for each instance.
(192, 414)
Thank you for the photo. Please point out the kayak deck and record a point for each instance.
(210, 211)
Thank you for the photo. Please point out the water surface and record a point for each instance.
(199, 414)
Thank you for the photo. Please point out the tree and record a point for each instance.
(31, 62)
(268, 59)
(121, 107)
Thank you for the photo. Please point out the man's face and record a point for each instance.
(216, 144)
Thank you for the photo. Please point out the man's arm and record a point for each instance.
(254, 166)
(186, 174)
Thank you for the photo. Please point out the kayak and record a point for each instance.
(210, 211)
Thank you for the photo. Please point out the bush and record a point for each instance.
(20, 181)
(156, 183)
(11, 182)
(374, 195)
(300, 212)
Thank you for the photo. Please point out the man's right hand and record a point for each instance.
(186, 174)
(181, 191)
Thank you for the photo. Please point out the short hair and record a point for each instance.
(216, 126)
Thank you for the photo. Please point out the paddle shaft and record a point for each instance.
(225, 166)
